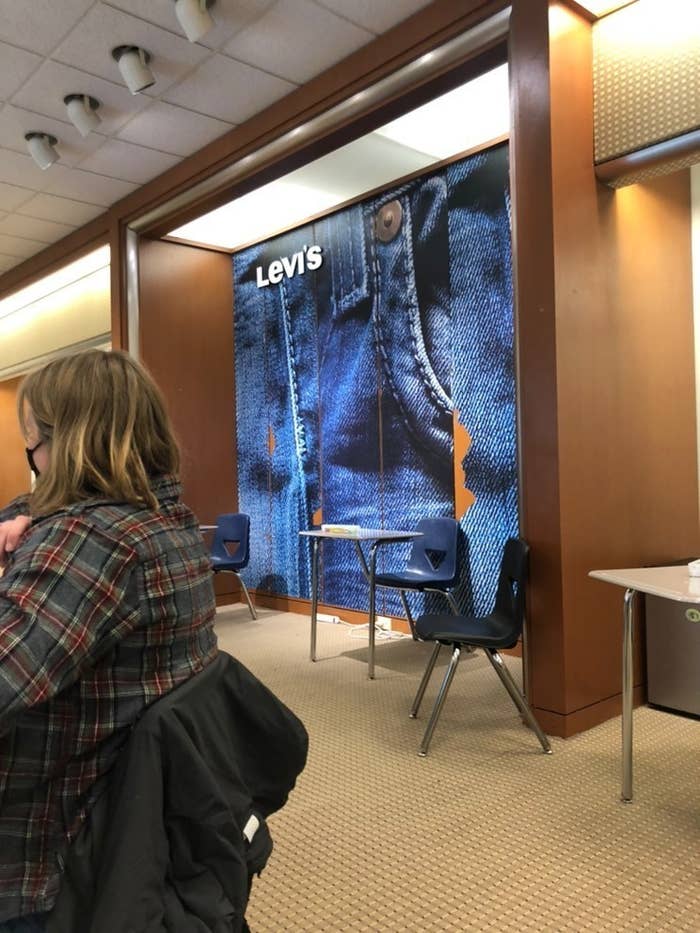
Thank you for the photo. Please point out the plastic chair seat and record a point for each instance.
(232, 528)
(413, 580)
(492, 631)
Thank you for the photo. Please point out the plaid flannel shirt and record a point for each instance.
(104, 608)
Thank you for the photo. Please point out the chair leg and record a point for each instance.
(247, 596)
(517, 697)
(409, 617)
(440, 701)
(424, 682)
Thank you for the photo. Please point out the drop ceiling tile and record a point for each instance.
(296, 40)
(104, 28)
(8, 262)
(131, 163)
(229, 18)
(376, 15)
(19, 247)
(46, 231)
(228, 90)
(38, 25)
(15, 67)
(172, 129)
(12, 197)
(19, 169)
(71, 146)
(62, 210)
(45, 90)
(86, 186)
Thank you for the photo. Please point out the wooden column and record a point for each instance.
(606, 372)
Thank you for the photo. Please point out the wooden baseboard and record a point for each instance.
(303, 607)
(564, 725)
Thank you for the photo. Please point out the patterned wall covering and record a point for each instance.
(646, 60)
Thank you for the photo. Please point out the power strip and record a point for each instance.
(324, 617)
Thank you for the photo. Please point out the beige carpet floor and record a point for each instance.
(486, 833)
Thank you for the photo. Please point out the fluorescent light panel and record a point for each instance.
(475, 113)
(67, 275)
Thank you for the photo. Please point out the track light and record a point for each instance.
(82, 112)
(133, 64)
(194, 17)
(41, 148)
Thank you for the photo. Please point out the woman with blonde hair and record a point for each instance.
(106, 604)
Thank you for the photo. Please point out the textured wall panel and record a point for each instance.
(646, 76)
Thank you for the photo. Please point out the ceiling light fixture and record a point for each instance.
(41, 148)
(82, 112)
(194, 17)
(133, 64)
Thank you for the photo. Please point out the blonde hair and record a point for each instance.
(108, 428)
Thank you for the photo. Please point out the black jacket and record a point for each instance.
(163, 850)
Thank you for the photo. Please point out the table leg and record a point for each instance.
(372, 615)
(627, 678)
(314, 595)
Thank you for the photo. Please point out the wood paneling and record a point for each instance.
(186, 337)
(533, 265)
(609, 463)
(186, 341)
(14, 471)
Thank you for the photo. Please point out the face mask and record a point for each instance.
(30, 457)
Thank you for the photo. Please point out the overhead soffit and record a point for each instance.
(646, 73)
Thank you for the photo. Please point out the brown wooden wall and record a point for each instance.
(186, 339)
(607, 396)
(14, 471)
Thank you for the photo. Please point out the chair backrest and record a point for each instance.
(434, 555)
(510, 595)
(232, 528)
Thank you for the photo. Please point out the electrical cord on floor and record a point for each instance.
(380, 634)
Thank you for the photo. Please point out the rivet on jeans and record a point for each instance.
(388, 221)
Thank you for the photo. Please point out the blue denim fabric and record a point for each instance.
(277, 416)
(34, 923)
(349, 370)
(483, 390)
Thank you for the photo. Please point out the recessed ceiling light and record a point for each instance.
(133, 64)
(82, 112)
(41, 148)
(193, 16)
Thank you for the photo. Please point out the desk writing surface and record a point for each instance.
(669, 582)
(363, 534)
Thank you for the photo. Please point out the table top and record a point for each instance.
(669, 582)
(363, 534)
(208, 527)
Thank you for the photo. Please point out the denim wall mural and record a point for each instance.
(375, 382)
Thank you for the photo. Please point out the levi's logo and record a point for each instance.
(309, 258)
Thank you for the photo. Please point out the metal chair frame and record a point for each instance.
(506, 600)
(216, 570)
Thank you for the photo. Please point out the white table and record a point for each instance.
(376, 537)
(667, 582)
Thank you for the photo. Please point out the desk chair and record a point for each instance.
(232, 528)
(501, 628)
(432, 565)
